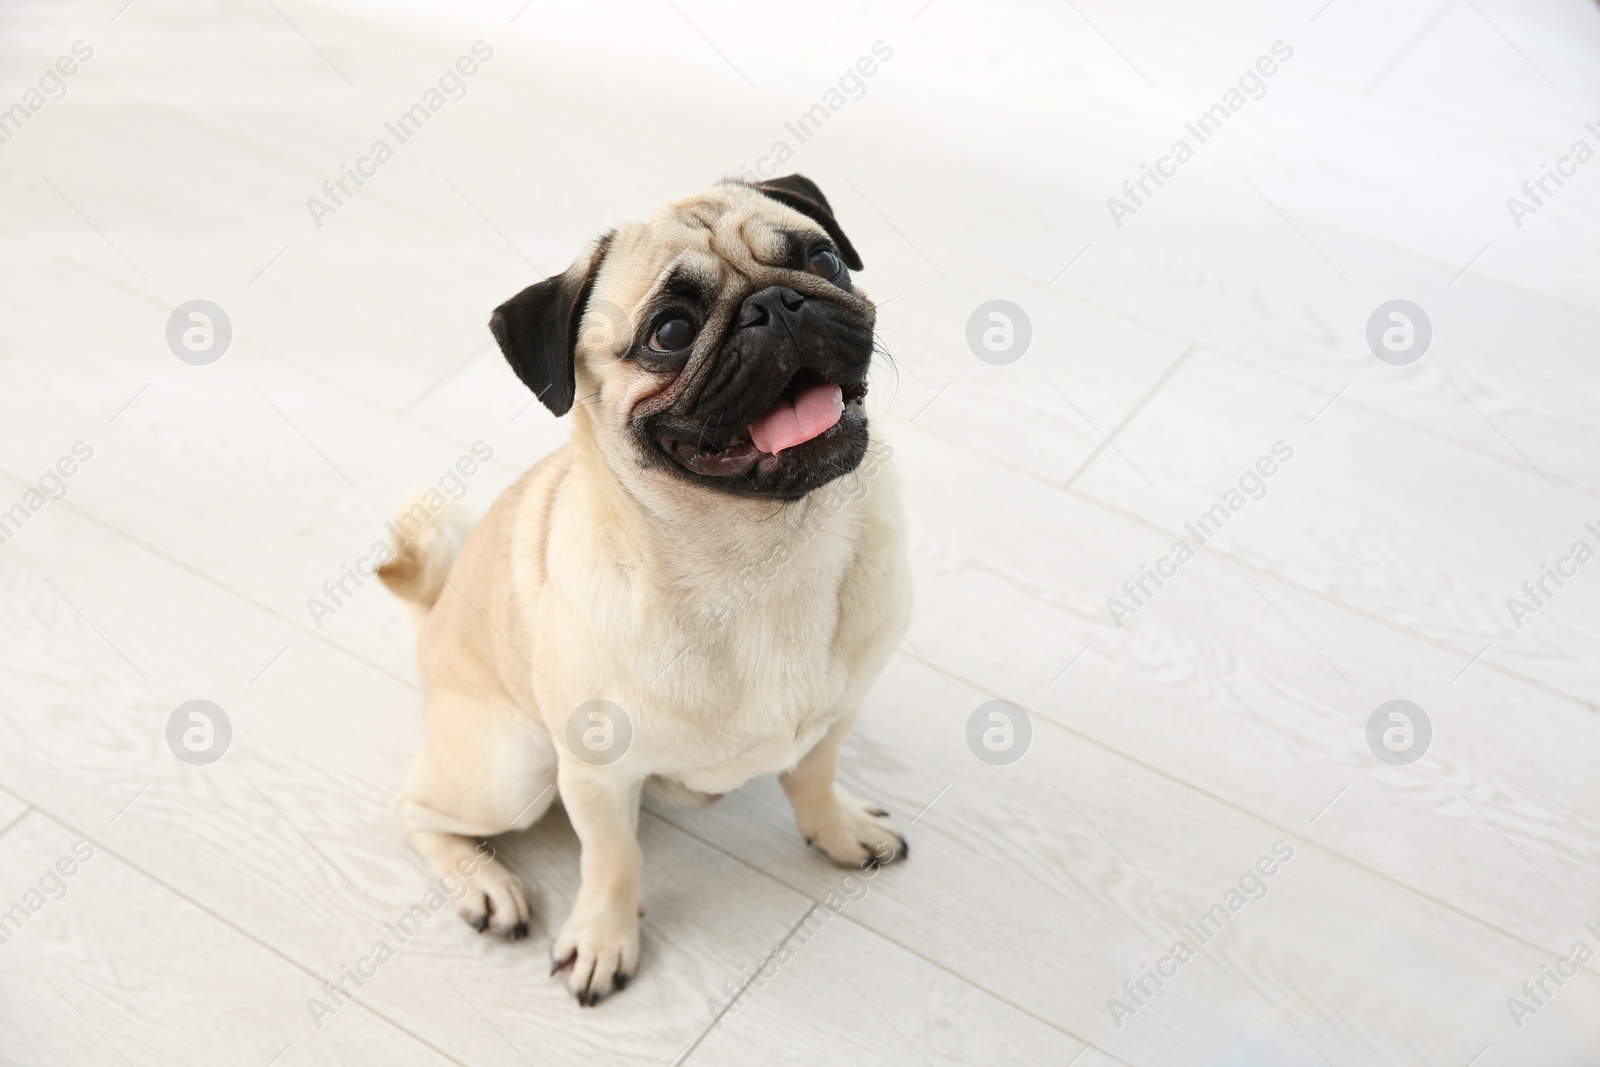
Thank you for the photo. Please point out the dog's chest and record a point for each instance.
(733, 646)
(761, 678)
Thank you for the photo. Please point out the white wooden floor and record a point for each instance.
(1228, 313)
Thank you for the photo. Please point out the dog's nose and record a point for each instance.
(772, 305)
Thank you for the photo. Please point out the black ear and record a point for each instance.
(538, 330)
(802, 194)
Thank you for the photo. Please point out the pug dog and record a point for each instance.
(698, 588)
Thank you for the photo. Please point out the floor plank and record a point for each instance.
(101, 974)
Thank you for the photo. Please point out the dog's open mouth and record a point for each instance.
(808, 408)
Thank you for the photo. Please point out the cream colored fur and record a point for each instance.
(739, 635)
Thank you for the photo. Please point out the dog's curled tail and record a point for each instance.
(423, 544)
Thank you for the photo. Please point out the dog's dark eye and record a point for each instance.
(824, 264)
(672, 335)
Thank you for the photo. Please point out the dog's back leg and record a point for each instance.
(482, 772)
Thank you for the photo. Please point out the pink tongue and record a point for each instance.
(788, 424)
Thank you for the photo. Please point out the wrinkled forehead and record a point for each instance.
(720, 241)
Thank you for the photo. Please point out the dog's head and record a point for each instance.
(722, 343)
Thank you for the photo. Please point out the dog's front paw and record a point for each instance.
(853, 833)
(598, 949)
(495, 901)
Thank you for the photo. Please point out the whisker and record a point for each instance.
(880, 347)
